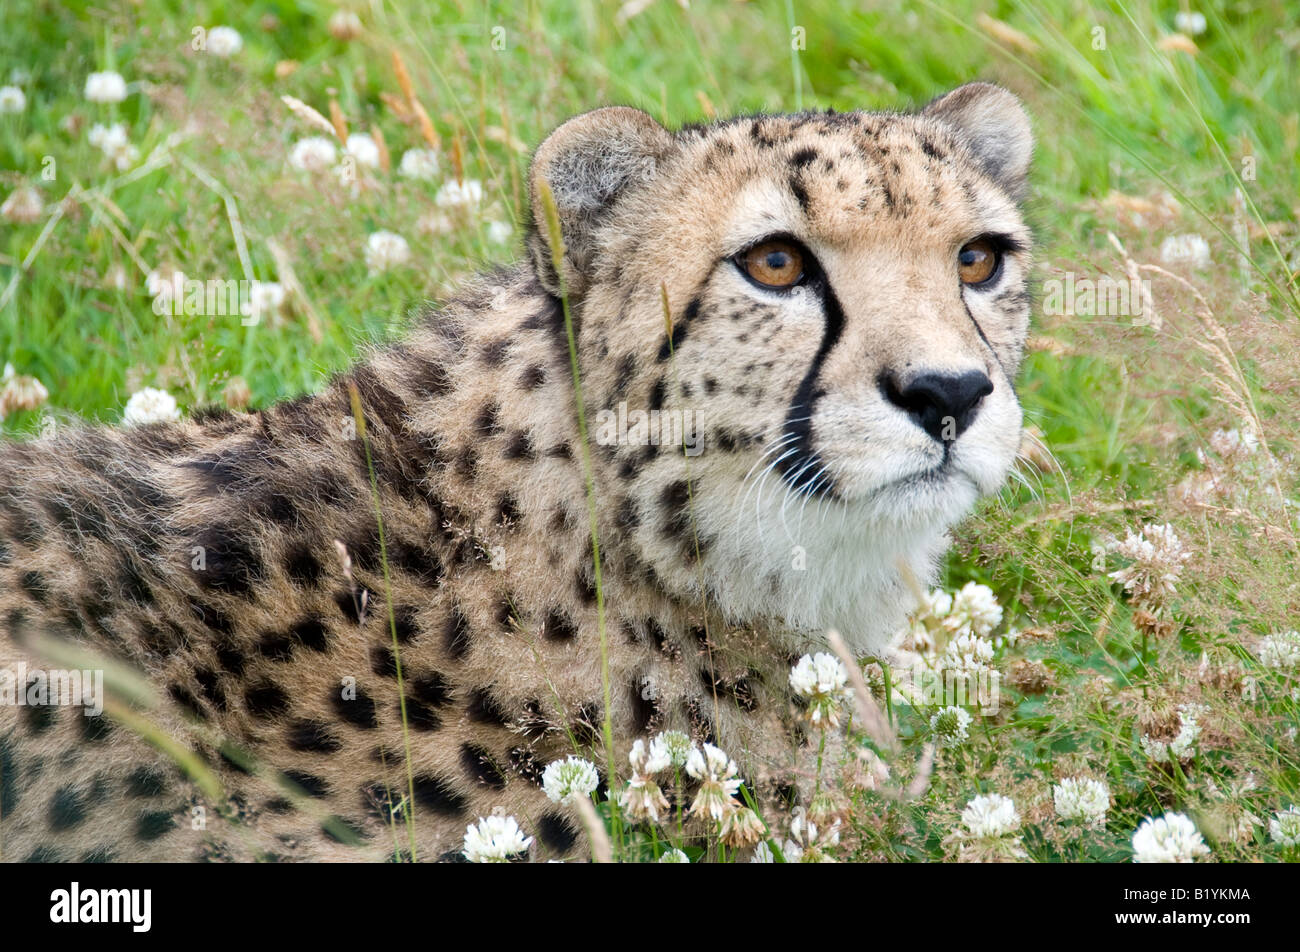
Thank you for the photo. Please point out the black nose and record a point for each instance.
(943, 405)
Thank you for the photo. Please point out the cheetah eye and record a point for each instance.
(773, 264)
(977, 261)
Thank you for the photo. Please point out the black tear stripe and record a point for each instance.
(800, 468)
(992, 350)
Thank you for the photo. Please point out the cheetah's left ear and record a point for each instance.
(589, 162)
(994, 126)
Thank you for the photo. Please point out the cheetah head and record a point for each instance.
(833, 305)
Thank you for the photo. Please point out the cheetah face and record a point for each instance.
(848, 311)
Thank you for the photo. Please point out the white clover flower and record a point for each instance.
(1284, 828)
(974, 605)
(1082, 798)
(20, 392)
(344, 25)
(1235, 442)
(12, 99)
(150, 406)
(107, 87)
(674, 856)
(313, 154)
(718, 782)
(926, 620)
(23, 205)
(763, 854)
(1189, 22)
(224, 41)
(1184, 743)
(967, 653)
(499, 232)
(950, 726)
(741, 828)
(822, 679)
(563, 780)
(1189, 249)
(418, 164)
(676, 745)
(264, 298)
(455, 194)
(385, 250)
(364, 149)
(808, 843)
(1157, 557)
(1280, 650)
(1172, 838)
(649, 760)
(870, 772)
(108, 139)
(495, 839)
(991, 815)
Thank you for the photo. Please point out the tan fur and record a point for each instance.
(472, 428)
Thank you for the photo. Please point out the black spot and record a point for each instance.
(350, 605)
(433, 689)
(95, 729)
(456, 634)
(231, 658)
(39, 717)
(186, 699)
(150, 826)
(213, 618)
(533, 377)
(8, 774)
(266, 699)
(311, 633)
(485, 709)
(67, 809)
(277, 646)
(231, 565)
(359, 712)
(383, 662)
(415, 560)
(211, 687)
(421, 717)
(487, 423)
(302, 567)
(520, 447)
(508, 509)
(146, 782)
(439, 795)
(478, 763)
(44, 854)
(673, 342)
(405, 625)
(312, 737)
(559, 627)
(507, 617)
(134, 586)
(800, 193)
(645, 709)
(34, 584)
(803, 157)
(312, 785)
(627, 518)
(556, 831)
(495, 352)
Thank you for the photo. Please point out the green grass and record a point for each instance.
(1123, 409)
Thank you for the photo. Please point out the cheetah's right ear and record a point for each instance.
(588, 162)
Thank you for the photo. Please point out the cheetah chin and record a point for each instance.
(837, 305)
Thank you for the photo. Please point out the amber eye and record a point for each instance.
(773, 264)
(977, 261)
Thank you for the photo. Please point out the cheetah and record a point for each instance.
(384, 601)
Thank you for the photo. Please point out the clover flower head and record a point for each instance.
(1172, 838)
(562, 780)
(495, 839)
(1082, 798)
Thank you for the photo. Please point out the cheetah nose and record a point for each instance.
(944, 405)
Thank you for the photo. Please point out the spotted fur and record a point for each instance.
(473, 618)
